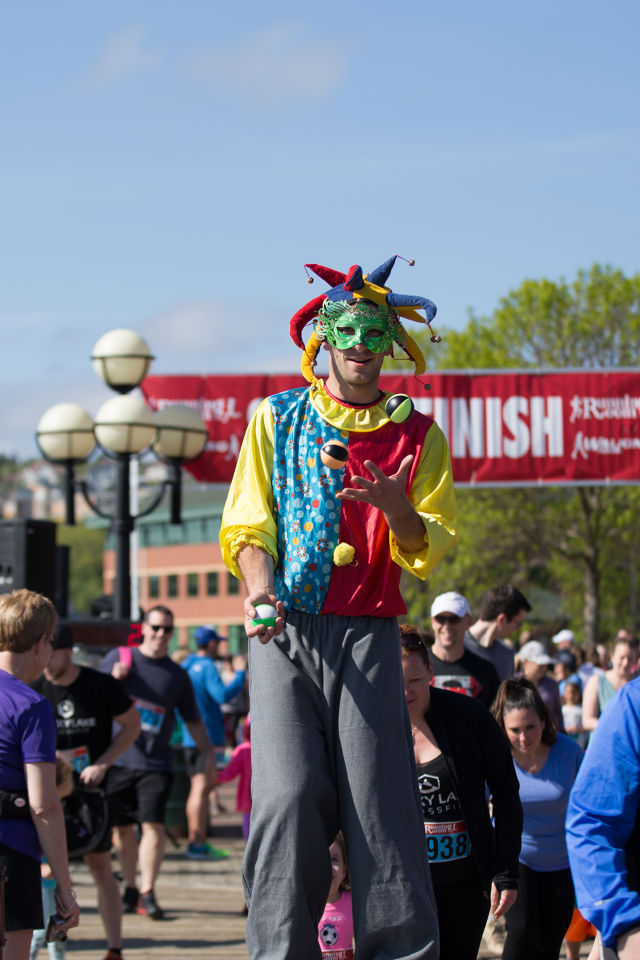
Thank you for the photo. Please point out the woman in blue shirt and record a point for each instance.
(546, 764)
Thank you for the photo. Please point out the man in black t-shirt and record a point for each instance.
(85, 704)
(141, 779)
(455, 668)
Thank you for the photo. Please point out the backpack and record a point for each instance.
(86, 819)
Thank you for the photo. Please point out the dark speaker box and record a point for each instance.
(28, 556)
(61, 601)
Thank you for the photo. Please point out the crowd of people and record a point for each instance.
(494, 775)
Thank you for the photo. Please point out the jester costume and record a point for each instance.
(281, 482)
(331, 743)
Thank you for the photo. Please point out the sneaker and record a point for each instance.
(204, 851)
(130, 899)
(149, 906)
(113, 955)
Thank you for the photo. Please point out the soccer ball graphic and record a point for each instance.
(329, 935)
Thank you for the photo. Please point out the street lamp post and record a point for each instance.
(124, 428)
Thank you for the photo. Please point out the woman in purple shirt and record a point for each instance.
(546, 764)
(31, 820)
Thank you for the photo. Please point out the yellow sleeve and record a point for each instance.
(433, 497)
(247, 517)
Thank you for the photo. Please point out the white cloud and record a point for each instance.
(212, 336)
(124, 55)
(282, 64)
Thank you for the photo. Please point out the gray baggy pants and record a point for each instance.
(330, 749)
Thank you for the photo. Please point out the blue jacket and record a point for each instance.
(210, 692)
(603, 837)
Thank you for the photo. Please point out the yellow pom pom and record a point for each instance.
(343, 554)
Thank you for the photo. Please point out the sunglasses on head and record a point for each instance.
(447, 618)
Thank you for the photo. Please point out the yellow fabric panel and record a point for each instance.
(250, 494)
(373, 292)
(433, 496)
(309, 355)
(410, 313)
(414, 351)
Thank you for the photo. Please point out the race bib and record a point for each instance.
(78, 757)
(151, 716)
(447, 841)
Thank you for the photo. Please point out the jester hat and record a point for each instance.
(346, 287)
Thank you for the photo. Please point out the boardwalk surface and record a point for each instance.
(203, 904)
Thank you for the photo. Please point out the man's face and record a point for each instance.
(212, 649)
(533, 671)
(58, 665)
(356, 368)
(449, 630)
(157, 631)
(41, 654)
(506, 627)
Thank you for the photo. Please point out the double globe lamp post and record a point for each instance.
(124, 427)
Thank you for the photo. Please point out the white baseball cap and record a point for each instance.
(563, 636)
(534, 652)
(450, 602)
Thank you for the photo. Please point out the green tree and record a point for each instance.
(86, 547)
(576, 541)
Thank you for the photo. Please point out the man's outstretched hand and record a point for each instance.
(383, 492)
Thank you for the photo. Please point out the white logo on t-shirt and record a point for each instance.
(66, 709)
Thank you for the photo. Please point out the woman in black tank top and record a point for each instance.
(458, 747)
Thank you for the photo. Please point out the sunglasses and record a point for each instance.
(445, 619)
(157, 627)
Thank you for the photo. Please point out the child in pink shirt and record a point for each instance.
(335, 930)
(240, 766)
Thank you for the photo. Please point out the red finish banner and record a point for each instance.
(505, 428)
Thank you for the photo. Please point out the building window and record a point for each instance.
(233, 585)
(237, 638)
(193, 531)
(192, 584)
(212, 583)
(154, 587)
(174, 534)
(172, 585)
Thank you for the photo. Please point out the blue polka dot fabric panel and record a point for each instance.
(307, 511)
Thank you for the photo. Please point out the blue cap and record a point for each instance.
(204, 635)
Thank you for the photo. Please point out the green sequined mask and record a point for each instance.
(344, 325)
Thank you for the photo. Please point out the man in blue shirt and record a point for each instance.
(210, 693)
(603, 826)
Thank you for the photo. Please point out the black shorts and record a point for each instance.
(194, 761)
(22, 895)
(105, 844)
(138, 796)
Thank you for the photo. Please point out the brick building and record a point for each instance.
(181, 566)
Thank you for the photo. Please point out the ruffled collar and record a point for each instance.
(354, 419)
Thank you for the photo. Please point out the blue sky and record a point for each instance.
(170, 168)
